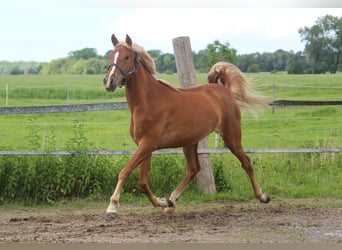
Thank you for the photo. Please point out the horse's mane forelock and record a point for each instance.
(148, 62)
(145, 58)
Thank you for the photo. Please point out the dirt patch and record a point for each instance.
(229, 222)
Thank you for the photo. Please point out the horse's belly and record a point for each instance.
(183, 136)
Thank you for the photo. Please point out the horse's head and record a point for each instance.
(123, 64)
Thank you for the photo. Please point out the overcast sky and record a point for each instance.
(43, 30)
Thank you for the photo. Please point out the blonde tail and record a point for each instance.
(234, 80)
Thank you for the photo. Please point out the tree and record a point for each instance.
(155, 53)
(323, 44)
(58, 66)
(220, 52)
(168, 61)
(268, 62)
(201, 61)
(244, 61)
(279, 60)
(16, 71)
(253, 68)
(297, 64)
(165, 63)
(85, 53)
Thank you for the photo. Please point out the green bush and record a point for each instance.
(49, 178)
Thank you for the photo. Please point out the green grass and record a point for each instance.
(39, 90)
(299, 87)
(52, 90)
(295, 127)
(288, 127)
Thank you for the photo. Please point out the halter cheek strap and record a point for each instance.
(129, 73)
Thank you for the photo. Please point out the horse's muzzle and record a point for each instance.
(109, 84)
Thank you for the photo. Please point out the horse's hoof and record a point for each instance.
(264, 198)
(171, 206)
(169, 209)
(110, 216)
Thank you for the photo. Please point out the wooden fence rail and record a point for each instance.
(64, 108)
(303, 103)
(123, 105)
(173, 151)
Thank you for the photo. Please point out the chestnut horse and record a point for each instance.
(163, 116)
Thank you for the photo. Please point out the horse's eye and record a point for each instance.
(126, 58)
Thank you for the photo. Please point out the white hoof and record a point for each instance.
(169, 209)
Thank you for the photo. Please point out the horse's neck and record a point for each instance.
(140, 88)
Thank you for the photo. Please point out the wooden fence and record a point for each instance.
(173, 151)
(63, 108)
(123, 105)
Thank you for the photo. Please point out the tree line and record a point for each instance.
(322, 53)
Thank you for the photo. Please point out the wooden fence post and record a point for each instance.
(187, 78)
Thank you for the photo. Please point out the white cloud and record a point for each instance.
(155, 28)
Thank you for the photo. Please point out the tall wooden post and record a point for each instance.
(187, 78)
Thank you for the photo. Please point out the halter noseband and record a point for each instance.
(129, 73)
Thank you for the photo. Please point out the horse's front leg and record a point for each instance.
(139, 156)
(145, 188)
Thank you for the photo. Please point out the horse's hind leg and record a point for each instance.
(232, 140)
(193, 167)
(246, 164)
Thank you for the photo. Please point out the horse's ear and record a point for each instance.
(115, 41)
(128, 40)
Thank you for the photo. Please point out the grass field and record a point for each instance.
(284, 175)
(288, 127)
(28, 90)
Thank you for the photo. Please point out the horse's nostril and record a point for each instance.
(106, 79)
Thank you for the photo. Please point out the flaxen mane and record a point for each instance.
(145, 59)
(148, 62)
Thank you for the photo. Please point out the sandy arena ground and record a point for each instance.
(289, 221)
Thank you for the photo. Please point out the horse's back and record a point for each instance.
(215, 94)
